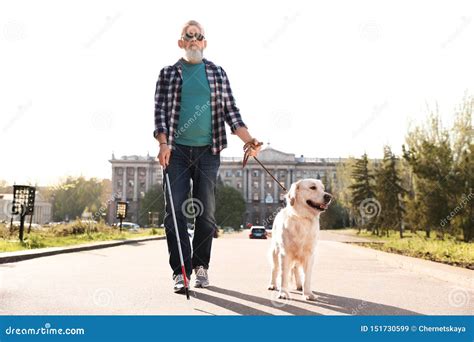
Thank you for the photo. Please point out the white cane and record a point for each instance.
(183, 269)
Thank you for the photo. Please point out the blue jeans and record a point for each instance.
(199, 165)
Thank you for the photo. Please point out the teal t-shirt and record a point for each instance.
(195, 120)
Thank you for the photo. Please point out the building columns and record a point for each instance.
(135, 185)
(124, 184)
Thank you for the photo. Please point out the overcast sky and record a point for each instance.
(322, 79)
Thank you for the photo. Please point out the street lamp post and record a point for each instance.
(23, 204)
(121, 209)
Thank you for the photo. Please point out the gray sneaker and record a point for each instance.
(202, 279)
(178, 283)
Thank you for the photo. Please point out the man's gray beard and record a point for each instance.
(193, 55)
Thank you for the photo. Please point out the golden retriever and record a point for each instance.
(294, 236)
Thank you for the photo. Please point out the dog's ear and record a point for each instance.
(291, 195)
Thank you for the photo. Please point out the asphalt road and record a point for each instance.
(136, 280)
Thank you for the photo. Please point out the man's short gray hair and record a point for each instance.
(192, 23)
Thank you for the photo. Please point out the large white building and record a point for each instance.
(263, 196)
(133, 176)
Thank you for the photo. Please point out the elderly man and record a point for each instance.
(193, 101)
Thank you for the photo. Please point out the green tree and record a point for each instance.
(74, 195)
(341, 189)
(389, 193)
(230, 206)
(336, 216)
(153, 201)
(363, 194)
(463, 154)
(430, 156)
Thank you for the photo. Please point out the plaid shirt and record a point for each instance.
(168, 104)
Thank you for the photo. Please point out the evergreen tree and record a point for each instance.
(389, 194)
(363, 195)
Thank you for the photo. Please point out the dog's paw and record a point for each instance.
(283, 295)
(271, 287)
(309, 296)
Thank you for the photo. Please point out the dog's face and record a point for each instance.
(309, 195)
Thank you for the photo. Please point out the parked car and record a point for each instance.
(258, 232)
(228, 230)
(127, 225)
(26, 225)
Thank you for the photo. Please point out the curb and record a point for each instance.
(461, 276)
(42, 252)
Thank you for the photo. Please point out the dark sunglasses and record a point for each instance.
(188, 37)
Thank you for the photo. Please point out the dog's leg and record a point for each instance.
(308, 267)
(297, 275)
(285, 266)
(274, 262)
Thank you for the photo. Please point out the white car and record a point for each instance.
(258, 232)
(127, 225)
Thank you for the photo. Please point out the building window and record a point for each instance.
(255, 173)
(268, 198)
(119, 171)
(130, 171)
(255, 185)
(142, 172)
(228, 173)
(255, 197)
(238, 173)
(269, 184)
(239, 185)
